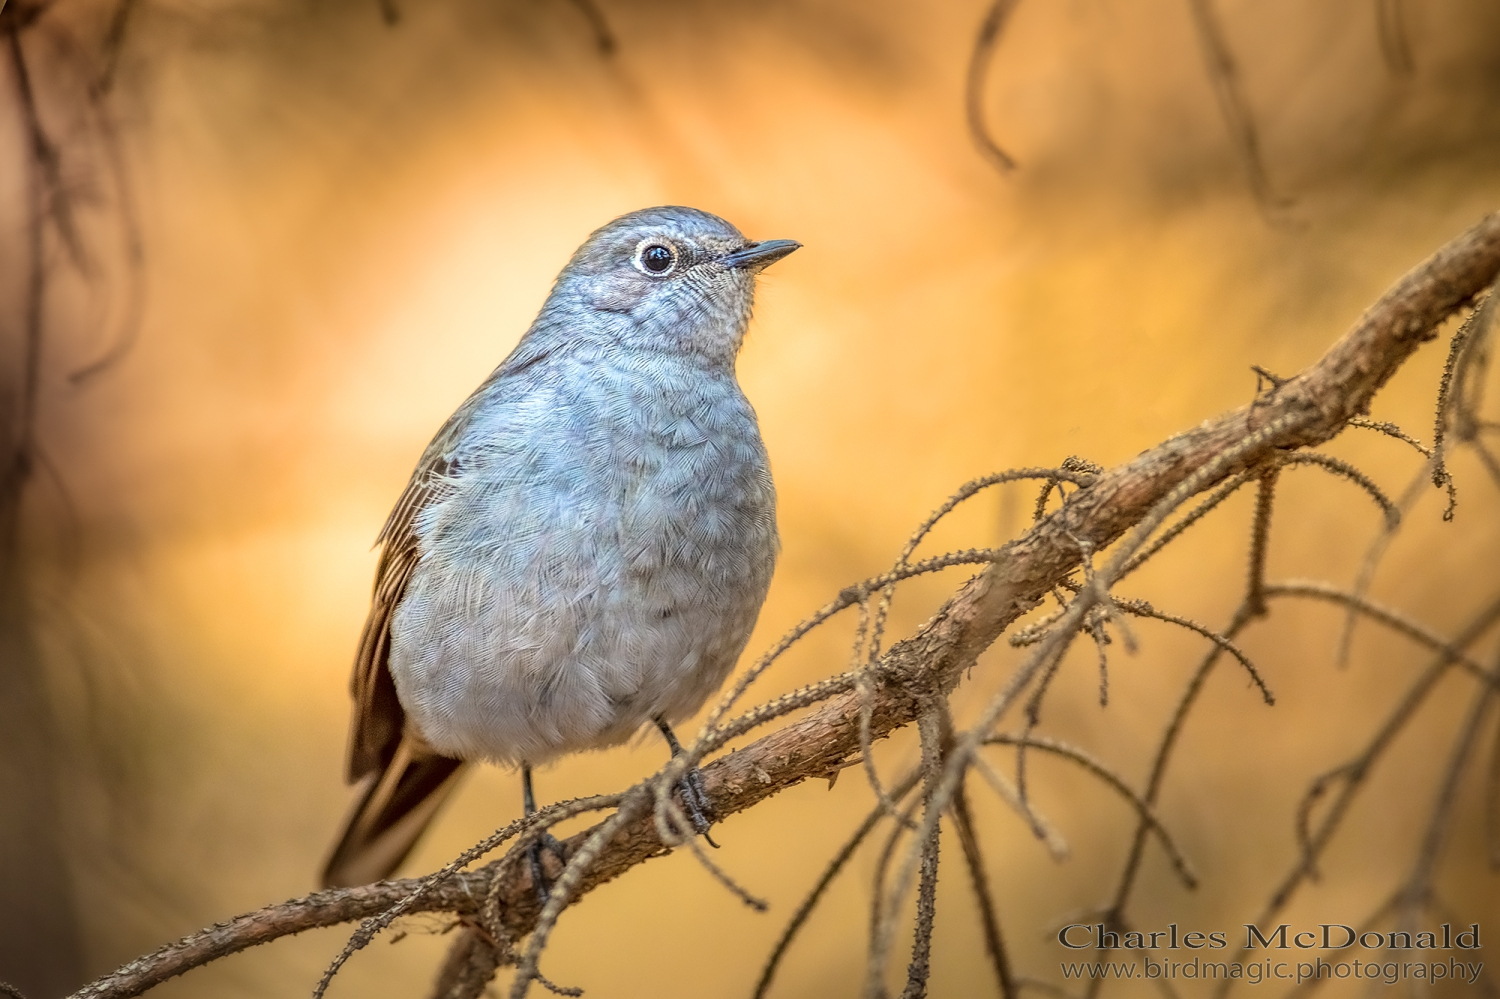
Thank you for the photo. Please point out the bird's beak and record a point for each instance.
(756, 256)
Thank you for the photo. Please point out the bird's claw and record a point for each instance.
(698, 807)
(540, 882)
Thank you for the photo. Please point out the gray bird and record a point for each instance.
(585, 545)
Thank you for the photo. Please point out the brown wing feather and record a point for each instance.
(378, 719)
(410, 780)
(390, 815)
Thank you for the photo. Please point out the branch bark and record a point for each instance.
(1321, 400)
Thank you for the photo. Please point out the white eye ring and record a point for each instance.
(648, 258)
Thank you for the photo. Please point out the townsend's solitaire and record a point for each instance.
(586, 543)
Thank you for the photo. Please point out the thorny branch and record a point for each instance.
(989, 917)
(920, 671)
(1346, 780)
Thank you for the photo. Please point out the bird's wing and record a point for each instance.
(378, 718)
(409, 780)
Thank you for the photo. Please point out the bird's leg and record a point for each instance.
(539, 880)
(691, 787)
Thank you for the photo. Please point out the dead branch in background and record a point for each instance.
(75, 220)
(980, 59)
(917, 673)
(1223, 76)
(1393, 42)
(604, 36)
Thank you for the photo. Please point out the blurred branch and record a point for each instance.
(1346, 780)
(989, 919)
(898, 791)
(40, 928)
(44, 199)
(1299, 412)
(604, 38)
(985, 43)
(1393, 43)
(1224, 75)
(114, 44)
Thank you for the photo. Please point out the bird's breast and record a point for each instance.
(600, 559)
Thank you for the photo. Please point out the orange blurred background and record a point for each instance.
(347, 224)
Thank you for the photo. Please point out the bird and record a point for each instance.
(584, 547)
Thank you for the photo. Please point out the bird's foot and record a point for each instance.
(540, 882)
(698, 807)
(699, 810)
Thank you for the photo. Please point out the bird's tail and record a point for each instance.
(383, 827)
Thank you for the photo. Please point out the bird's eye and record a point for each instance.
(656, 259)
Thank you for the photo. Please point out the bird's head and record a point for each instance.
(667, 278)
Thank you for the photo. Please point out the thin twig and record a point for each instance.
(989, 917)
(1050, 476)
(1260, 541)
(1392, 430)
(681, 833)
(1033, 718)
(1393, 42)
(1157, 777)
(1224, 76)
(1424, 871)
(1392, 619)
(604, 38)
(43, 186)
(1347, 471)
(1040, 827)
(1143, 808)
(1487, 459)
(1351, 775)
(113, 45)
(1192, 517)
(1376, 552)
(920, 968)
(1479, 321)
(899, 791)
(1143, 609)
(126, 332)
(877, 895)
(986, 40)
